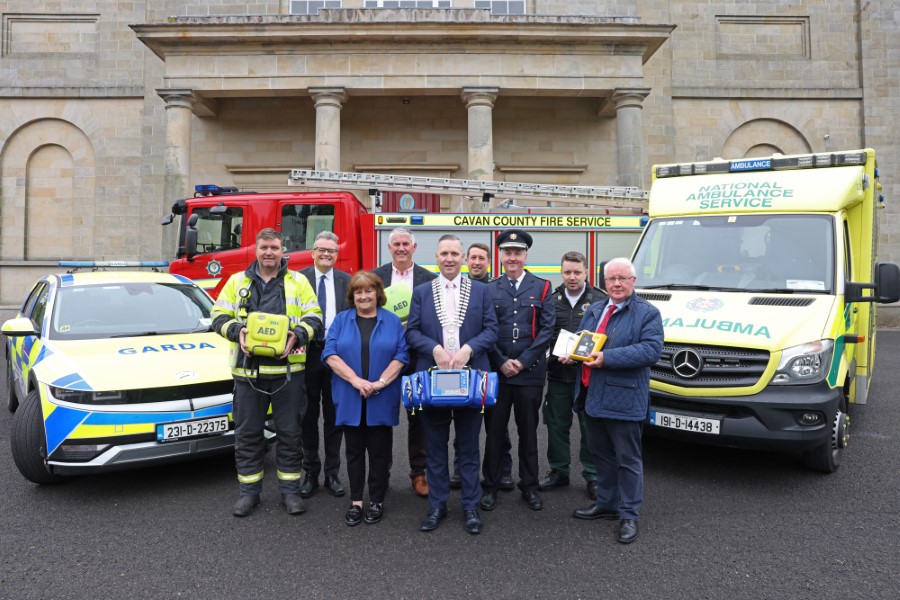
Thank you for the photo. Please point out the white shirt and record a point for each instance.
(573, 300)
(405, 277)
(330, 304)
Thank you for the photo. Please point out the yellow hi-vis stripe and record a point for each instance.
(251, 478)
(289, 476)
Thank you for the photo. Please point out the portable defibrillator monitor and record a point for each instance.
(587, 343)
(267, 334)
(450, 382)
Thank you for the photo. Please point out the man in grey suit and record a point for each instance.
(402, 271)
(330, 285)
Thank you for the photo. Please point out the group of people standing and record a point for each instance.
(354, 353)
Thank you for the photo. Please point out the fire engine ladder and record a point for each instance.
(600, 196)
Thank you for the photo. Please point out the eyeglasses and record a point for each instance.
(618, 279)
(325, 250)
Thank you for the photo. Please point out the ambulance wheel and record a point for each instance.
(12, 402)
(827, 457)
(29, 445)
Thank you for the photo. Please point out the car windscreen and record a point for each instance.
(127, 309)
(754, 253)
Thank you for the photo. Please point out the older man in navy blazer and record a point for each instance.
(452, 325)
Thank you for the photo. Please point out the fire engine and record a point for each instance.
(217, 228)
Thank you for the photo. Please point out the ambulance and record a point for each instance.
(766, 274)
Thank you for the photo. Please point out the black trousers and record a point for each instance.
(525, 402)
(250, 408)
(377, 441)
(318, 394)
(415, 443)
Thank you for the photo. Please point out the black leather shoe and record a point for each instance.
(628, 531)
(244, 506)
(308, 486)
(354, 516)
(506, 483)
(488, 501)
(473, 521)
(455, 481)
(433, 519)
(334, 487)
(293, 504)
(533, 500)
(594, 512)
(592, 490)
(553, 480)
(374, 513)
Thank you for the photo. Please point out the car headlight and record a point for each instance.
(806, 363)
(86, 396)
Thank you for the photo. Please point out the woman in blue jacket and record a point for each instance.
(366, 348)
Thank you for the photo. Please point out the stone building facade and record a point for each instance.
(110, 110)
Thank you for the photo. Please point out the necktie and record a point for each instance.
(323, 303)
(601, 328)
(451, 334)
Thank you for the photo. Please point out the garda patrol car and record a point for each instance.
(110, 370)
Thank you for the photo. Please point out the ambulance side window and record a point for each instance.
(848, 263)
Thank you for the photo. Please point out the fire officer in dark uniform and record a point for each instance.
(525, 309)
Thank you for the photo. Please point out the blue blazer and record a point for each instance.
(388, 343)
(620, 389)
(478, 329)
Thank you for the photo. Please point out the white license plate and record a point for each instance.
(180, 430)
(695, 424)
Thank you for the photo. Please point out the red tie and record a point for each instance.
(601, 328)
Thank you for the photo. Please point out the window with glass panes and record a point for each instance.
(311, 7)
(502, 7)
(408, 4)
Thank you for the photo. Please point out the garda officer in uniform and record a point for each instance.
(572, 298)
(268, 286)
(525, 310)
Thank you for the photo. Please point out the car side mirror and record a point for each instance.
(18, 327)
(885, 290)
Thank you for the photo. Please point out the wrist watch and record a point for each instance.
(383, 382)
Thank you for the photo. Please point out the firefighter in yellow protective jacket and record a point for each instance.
(268, 286)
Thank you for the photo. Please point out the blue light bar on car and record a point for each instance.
(208, 189)
(112, 263)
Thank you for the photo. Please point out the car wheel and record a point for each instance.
(827, 457)
(12, 401)
(28, 442)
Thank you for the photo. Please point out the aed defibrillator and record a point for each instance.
(588, 342)
(266, 334)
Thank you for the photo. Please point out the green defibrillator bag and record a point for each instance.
(399, 297)
(267, 334)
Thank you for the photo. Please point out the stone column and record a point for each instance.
(480, 107)
(177, 180)
(329, 102)
(630, 135)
